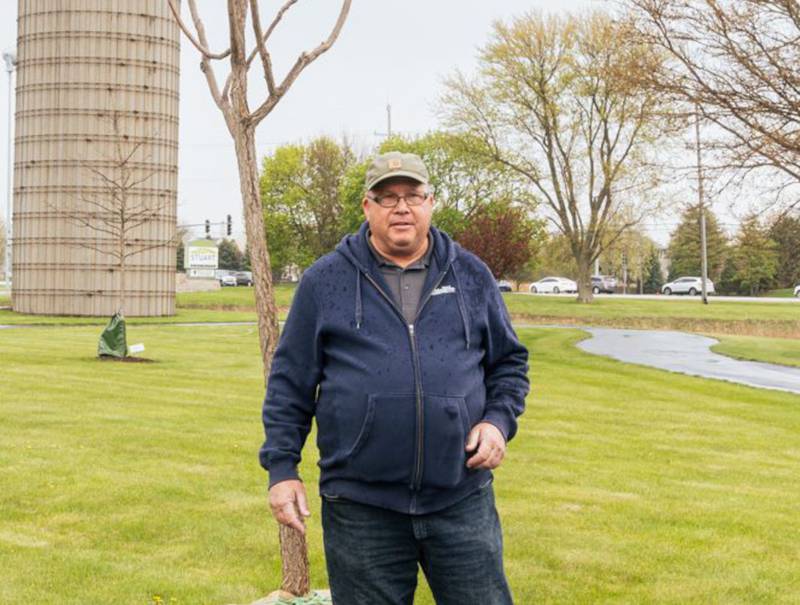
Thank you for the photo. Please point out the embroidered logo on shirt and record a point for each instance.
(443, 290)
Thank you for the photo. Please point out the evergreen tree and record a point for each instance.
(755, 257)
(684, 246)
(653, 276)
(230, 257)
(785, 232)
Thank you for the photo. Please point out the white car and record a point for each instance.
(554, 285)
(687, 285)
(227, 280)
(797, 290)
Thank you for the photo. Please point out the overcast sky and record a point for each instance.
(388, 52)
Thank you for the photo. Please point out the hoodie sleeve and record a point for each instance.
(291, 390)
(506, 367)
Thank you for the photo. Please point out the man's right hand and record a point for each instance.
(288, 502)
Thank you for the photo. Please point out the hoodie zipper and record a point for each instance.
(416, 480)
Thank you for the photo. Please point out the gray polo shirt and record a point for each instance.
(405, 285)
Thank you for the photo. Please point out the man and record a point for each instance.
(400, 345)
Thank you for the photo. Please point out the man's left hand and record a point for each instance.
(490, 444)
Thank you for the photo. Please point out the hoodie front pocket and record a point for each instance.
(446, 427)
(384, 448)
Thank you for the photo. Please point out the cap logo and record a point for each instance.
(395, 164)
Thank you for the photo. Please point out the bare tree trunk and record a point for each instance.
(256, 238)
(294, 555)
(121, 273)
(294, 551)
(584, 279)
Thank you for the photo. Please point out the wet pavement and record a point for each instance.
(688, 354)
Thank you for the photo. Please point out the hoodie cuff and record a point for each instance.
(501, 420)
(282, 471)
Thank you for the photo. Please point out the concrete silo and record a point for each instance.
(96, 149)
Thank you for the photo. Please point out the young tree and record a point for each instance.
(785, 232)
(738, 62)
(116, 211)
(755, 257)
(501, 235)
(684, 249)
(232, 100)
(241, 120)
(558, 101)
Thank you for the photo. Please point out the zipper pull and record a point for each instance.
(411, 329)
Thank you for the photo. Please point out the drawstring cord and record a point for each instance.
(358, 299)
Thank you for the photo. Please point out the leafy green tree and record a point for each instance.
(785, 232)
(300, 192)
(754, 258)
(501, 235)
(230, 257)
(653, 276)
(684, 246)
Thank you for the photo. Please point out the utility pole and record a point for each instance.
(703, 248)
(11, 62)
(388, 133)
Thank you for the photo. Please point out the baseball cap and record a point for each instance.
(394, 163)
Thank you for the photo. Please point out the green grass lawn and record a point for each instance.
(237, 298)
(125, 481)
(784, 351)
(781, 293)
(719, 317)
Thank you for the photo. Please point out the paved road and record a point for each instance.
(687, 354)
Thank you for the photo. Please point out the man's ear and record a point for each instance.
(364, 203)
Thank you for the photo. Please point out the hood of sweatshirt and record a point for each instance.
(355, 249)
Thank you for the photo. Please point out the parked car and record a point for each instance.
(229, 279)
(554, 285)
(687, 285)
(504, 285)
(603, 283)
(243, 278)
(797, 290)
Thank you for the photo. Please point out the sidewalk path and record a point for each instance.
(688, 354)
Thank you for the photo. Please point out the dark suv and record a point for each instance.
(243, 278)
(603, 283)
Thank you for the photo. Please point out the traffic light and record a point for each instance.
(208, 229)
(229, 229)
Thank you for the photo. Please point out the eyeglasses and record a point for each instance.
(390, 200)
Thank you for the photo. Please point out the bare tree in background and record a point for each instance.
(738, 61)
(116, 209)
(242, 121)
(558, 101)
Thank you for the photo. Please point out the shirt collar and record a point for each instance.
(421, 263)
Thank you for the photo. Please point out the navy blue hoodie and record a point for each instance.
(394, 401)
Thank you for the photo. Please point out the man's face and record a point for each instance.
(402, 231)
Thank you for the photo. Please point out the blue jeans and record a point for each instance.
(373, 553)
